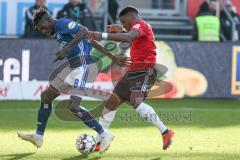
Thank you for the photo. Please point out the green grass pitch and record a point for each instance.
(204, 130)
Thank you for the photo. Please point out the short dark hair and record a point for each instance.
(38, 14)
(127, 10)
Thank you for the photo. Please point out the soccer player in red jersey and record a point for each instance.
(141, 74)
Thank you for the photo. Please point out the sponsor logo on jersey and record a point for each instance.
(136, 26)
(72, 25)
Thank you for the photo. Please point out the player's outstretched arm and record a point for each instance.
(114, 36)
(82, 33)
(121, 61)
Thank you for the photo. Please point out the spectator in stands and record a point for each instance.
(207, 26)
(212, 6)
(163, 4)
(226, 23)
(79, 12)
(29, 30)
(113, 10)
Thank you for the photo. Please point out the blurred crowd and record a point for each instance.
(74, 9)
(209, 26)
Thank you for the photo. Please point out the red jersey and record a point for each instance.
(143, 49)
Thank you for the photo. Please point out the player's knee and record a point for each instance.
(113, 102)
(136, 98)
(74, 109)
(45, 98)
(74, 104)
(134, 103)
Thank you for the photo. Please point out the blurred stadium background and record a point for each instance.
(202, 108)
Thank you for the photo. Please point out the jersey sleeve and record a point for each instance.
(67, 26)
(140, 28)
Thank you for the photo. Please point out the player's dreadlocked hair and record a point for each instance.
(127, 10)
(38, 14)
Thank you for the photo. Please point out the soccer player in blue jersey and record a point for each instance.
(71, 39)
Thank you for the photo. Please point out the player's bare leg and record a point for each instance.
(144, 110)
(105, 137)
(108, 115)
(148, 113)
(43, 114)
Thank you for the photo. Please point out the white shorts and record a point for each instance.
(78, 77)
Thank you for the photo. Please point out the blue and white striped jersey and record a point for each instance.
(66, 30)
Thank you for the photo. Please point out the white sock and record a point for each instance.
(107, 117)
(38, 136)
(146, 111)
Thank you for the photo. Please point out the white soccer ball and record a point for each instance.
(85, 143)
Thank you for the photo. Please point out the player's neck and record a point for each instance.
(137, 18)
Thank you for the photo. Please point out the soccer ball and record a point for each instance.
(85, 143)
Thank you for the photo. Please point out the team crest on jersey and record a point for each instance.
(136, 26)
(72, 25)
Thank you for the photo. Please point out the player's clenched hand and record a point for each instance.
(115, 28)
(94, 36)
(121, 61)
(59, 56)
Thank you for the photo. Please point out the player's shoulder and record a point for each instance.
(64, 21)
(64, 24)
(140, 23)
